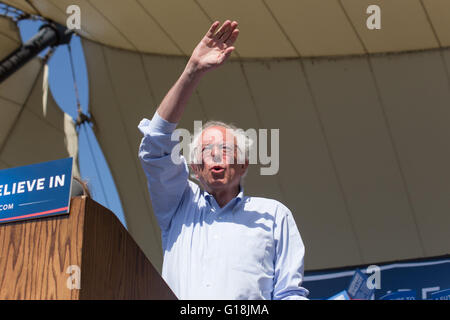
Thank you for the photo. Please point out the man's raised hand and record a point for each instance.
(215, 47)
(211, 52)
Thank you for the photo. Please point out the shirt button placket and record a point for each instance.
(209, 273)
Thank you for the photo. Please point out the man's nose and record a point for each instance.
(216, 154)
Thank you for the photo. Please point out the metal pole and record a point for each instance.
(51, 34)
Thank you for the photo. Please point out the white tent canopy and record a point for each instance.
(32, 128)
(269, 28)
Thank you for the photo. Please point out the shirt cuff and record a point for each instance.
(157, 124)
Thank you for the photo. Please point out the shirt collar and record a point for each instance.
(237, 199)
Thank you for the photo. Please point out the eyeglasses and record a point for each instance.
(227, 149)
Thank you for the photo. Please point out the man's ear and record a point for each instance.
(244, 166)
(195, 168)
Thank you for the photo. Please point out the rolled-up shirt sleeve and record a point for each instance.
(167, 179)
(289, 259)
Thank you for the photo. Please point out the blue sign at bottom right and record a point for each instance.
(424, 279)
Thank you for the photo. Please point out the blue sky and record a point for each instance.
(93, 166)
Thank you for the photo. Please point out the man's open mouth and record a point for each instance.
(217, 169)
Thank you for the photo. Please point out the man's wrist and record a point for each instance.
(193, 71)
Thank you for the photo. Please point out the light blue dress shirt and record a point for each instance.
(249, 249)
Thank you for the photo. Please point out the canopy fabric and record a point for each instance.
(32, 129)
(363, 143)
(269, 28)
(9, 37)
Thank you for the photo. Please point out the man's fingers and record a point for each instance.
(232, 38)
(229, 31)
(212, 29)
(222, 30)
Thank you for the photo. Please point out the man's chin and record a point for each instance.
(218, 183)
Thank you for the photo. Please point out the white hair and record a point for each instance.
(244, 143)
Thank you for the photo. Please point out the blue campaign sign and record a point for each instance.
(358, 288)
(36, 190)
(343, 295)
(400, 295)
(425, 277)
(441, 295)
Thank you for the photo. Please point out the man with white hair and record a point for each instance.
(217, 243)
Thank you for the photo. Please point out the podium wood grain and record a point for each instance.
(35, 255)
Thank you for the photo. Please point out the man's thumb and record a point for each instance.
(228, 52)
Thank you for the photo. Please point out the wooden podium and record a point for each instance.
(87, 254)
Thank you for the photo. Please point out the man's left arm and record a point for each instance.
(289, 251)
